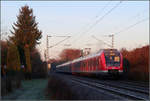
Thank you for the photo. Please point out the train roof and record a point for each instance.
(87, 57)
(66, 63)
(80, 59)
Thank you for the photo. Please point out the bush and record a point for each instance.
(39, 68)
(58, 89)
(9, 84)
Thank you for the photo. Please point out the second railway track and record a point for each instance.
(125, 92)
(122, 85)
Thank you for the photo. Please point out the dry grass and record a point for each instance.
(58, 89)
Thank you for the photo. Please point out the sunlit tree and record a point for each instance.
(25, 35)
(13, 61)
(70, 54)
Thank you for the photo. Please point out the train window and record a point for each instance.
(117, 59)
(78, 64)
(113, 60)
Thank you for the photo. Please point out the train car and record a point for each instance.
(105, 62)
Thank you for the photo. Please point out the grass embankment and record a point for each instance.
(139, 63)
(61, 87)
(9, 84)
(31, 90)
(58, 89)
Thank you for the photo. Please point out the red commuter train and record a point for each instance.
(106, 61)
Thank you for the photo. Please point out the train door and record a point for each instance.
(100, 63)
(86, 65)
(97, 64)
(81, 66)
(103, 62)
(89, 65)
(94, 65)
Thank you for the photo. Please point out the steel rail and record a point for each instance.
(134, 83)
(110, 89)
(122, 86)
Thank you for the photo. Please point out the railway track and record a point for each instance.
(122, 85)
(123, 91)
(134, 83)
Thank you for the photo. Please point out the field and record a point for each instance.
(30, 90)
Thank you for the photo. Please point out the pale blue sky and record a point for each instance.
(75, 17)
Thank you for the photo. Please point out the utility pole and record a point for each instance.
(112, 40)
(47, 45)
(47, 50)
(86, 51)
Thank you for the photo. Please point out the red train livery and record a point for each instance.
(106, 61)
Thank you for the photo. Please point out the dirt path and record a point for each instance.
(30, 90)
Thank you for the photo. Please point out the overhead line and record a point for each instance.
(125, 29)
(101, 41)
(99, 13)
(59, 42)
(101, 18)
(138, 14)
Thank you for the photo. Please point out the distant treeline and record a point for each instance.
(139, 62)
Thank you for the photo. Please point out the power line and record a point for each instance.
(138, 14)
(47, 46)
(131, 18)
(101, 41)
(100, 19)
(60, 41)
(99, 13)
(103, 9)
(125, 29)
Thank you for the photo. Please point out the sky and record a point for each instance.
(127, 20)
